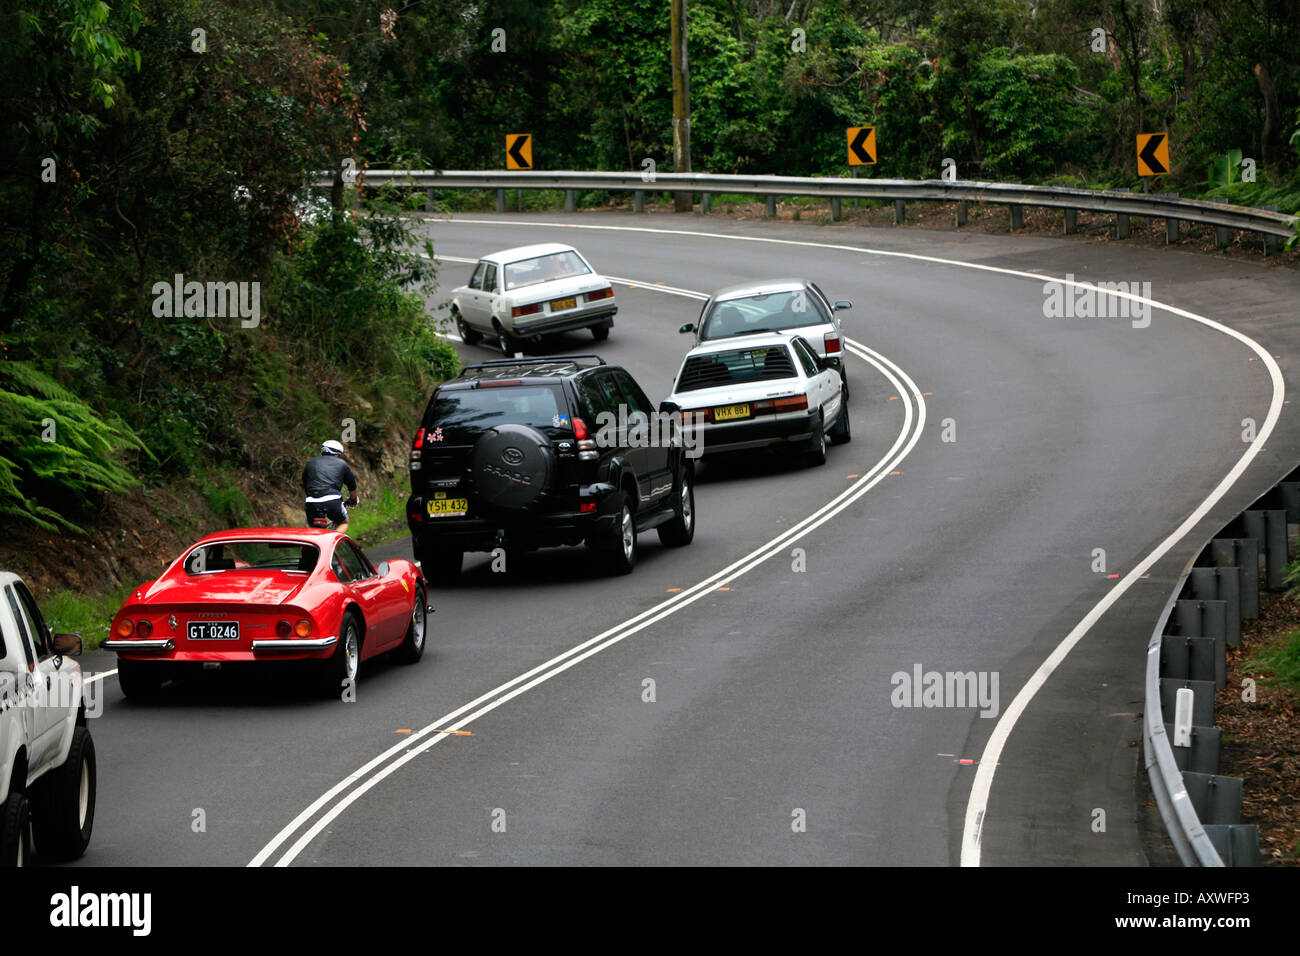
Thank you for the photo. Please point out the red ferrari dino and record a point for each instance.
(257, 594)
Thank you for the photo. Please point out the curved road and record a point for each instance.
(966, 542)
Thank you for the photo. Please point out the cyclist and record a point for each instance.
(322, 479)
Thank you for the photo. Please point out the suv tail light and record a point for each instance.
(524, 310)
(832, 343)
(416, 454)
(586, 445)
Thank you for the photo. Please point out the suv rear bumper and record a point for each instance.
(527, 529)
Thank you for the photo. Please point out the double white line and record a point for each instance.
(329, 805)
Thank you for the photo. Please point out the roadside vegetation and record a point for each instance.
(147, 140)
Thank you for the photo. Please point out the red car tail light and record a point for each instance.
(832, 343)
(580, 429)
(599, 294)
(525, 310)
(586, 444)
(419, 439)
(143, 629)
(282, 629)
(302, 628)
(586, 507)
(124, 628)
(697, 416)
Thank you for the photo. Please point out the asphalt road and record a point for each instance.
(773, 735)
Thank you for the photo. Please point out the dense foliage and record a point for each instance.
(144, 139)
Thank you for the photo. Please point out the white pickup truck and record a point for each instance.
(47, 758)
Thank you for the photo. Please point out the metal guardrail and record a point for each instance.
(1214, 592)
(1157, 205)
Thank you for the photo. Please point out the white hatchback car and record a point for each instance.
(530, 291)
(767, 389)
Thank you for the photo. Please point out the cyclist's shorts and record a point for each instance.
(321, 513)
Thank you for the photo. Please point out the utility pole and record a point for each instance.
(682, 201)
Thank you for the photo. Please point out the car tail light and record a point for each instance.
(302, 628)
(419, 439)
(416, 453)
(525, 310)
(586, 507)
(580, 429)
(832, 343)
(124, 628)
(698, 416)
(793, 403)
(497, 383)
(282, 628)
(599, 294)
(143, 629)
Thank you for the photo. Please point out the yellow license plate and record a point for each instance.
(727, 413)
(560, 304)
(441, 507)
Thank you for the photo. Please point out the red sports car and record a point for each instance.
(257, 594)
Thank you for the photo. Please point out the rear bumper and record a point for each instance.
(528, 529)
(758, 433)
(165, 651)
(545, 325)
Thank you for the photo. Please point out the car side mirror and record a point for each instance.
(67, 645)
(843, 304)
(688, 327)
(383, 569)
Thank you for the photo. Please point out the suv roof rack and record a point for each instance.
(539, 360)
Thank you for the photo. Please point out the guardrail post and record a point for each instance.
(1172, 232)
(770, 209)
(1220, 232)
(428, 199)
(1203, 755)
(1122, 228)
(1192, 658)
(1220, 584)
(1270, 242)
(900, 211)
(1017, 217)
(1202, 698)
(570, 200)
(836, 209)
(501, 200)
(1216, 799)
(1071, 221)
(1206, 620)
(638, 201)
(706, 202)
(1243, 554)
(1237, 843)
(961, 213)
(1269, 528)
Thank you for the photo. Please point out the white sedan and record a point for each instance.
(767, 389)
(530, 291)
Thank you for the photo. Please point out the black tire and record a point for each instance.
(507, 344)
(681, 529)
(844, 380)
(15, 831)
(600, 332)
(619, 547)
(441, 565)
(817, 444)
(412, 647)
(63, 803)
(140, 680)
(467, 335)
(345, 661)
(842, 433)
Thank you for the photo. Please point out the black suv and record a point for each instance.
(527, 453)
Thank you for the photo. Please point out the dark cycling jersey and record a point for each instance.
(325, 474)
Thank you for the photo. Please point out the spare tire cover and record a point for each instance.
(512, 466)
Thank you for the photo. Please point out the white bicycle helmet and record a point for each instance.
(331, 447)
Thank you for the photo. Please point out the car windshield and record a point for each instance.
(736, 367)
(460, 416)
(556, 265)
(768, 312)
(251, 556)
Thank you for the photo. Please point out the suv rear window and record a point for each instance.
(736, 366)
(464, 414)
(769, 312)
